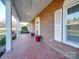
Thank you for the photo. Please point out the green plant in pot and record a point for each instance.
(38, 38)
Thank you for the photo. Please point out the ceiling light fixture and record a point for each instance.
(28, 13)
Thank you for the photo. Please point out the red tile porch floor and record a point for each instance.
(25, 47)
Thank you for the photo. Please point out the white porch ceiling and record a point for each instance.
(25, 7)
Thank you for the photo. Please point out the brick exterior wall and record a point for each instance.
(47, 26)
(47, 19)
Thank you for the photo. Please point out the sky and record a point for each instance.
(3, 12)
(73, 15)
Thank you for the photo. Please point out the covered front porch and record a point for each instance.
(50, 19)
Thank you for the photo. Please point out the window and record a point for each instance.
(72, 26)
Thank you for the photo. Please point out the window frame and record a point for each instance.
(65, 10)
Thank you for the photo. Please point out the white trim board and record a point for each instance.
(37, 26)
(58, 25)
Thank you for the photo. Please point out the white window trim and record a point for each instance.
(72, 43)
(58, 25)
(37, 20)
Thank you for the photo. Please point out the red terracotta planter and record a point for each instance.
(32, 34)
(38, 38)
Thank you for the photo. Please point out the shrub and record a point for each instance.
(24, 29)
(3, 41)
(13, 37)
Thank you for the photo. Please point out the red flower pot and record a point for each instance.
(32, 34)
(38, 38)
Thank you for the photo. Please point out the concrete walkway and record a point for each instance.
(25, 47)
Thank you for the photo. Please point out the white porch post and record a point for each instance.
(8, 25)
(17, 27)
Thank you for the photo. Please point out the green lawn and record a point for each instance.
(2, 32)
